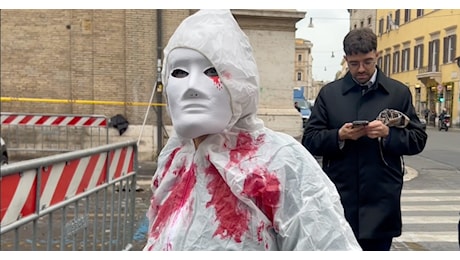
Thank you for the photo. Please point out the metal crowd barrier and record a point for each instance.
(79, 200)
(36, 135)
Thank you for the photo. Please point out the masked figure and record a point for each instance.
(224, 181)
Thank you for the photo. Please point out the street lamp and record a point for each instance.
(311, 23)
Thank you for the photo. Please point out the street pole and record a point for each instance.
(159, 88)
(159, 109)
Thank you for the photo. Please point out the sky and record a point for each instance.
(330, 27)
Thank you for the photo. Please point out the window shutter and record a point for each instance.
(437, 58)
(446, 50)
(454, 45)
(421, 54)
(430, 54)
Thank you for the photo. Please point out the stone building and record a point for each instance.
(303, 75)
(109, 59)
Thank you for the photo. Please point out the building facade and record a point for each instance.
(112, 55)
(360, 18)
(303, 75)
(419, 47)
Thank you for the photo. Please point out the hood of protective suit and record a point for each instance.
(216, 35)
(248, 187)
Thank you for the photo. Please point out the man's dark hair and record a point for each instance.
(361, 40)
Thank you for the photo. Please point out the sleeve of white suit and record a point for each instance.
(310, 216)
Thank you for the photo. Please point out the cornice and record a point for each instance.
(268, 19)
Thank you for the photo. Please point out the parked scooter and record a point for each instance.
(444, 123)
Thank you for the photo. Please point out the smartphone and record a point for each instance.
(357, 123)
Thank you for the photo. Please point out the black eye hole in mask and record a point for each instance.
(211, 72)
(178, 73)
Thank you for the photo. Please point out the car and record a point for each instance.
(304, 109)
(4, 158)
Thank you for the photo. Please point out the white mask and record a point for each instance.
(198, 102)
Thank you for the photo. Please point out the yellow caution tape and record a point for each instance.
(75, 101)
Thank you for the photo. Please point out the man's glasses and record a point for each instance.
(367, 64)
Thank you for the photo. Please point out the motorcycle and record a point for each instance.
(444, 123)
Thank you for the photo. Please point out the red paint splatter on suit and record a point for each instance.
(260, 185)
(264, 188)
(226, 75)
(179, 194)
(233, 219)
(245, 147)
(260, 229)
(167, 166)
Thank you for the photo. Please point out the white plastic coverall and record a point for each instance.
(247, 188)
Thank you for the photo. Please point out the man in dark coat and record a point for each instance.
(366, 162)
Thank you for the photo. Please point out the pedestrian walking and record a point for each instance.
(365, 160)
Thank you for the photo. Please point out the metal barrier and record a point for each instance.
(80, 200)
(37, 135)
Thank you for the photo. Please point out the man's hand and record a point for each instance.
(347, 131)
(373, 130)
(376, 129)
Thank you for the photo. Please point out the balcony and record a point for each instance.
(429, 73)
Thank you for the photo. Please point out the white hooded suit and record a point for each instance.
(248, 187)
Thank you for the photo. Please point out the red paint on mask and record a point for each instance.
(180, 192)
(264, 188)
(233, 219)
(217, 82)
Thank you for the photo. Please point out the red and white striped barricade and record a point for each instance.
(52, 133)
(42, 187)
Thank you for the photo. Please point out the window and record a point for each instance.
(418, 56)
(396, 62)
(397, 17)
(299, 57)
(299, 76)
(389, 21)
(379, 61)
(386, 64)
(381, 26)
(405, 59)
(433, 55)
(449, 48)
(419, 12)
(406, 15)
(369, 21)
(362, 23)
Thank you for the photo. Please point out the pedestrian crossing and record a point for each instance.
(430, 219)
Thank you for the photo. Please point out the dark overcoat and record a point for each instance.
(367, 173)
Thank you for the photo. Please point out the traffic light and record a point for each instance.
(441, 97)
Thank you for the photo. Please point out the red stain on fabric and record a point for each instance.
(226, 75)
(264, 188)
(167, 166)
(260, 229)
(232, 218)
(260, 185)
(245, 147)
(180, 193)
